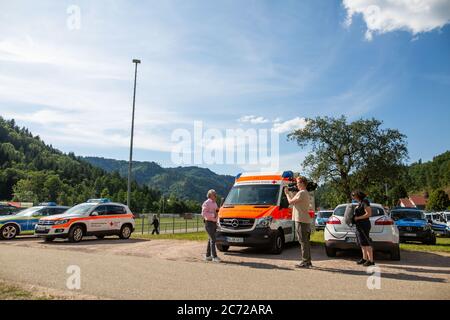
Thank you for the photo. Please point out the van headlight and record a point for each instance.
(62, 221)
(263, 222)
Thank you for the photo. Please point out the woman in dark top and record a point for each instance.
(362, 215)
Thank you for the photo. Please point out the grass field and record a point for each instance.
(193, 236)
(442, 244)
(168, 224)
(317, 239)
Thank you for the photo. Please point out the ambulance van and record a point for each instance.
(256, 213)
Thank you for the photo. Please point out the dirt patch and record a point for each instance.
(413, 263)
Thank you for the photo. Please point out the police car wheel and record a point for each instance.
(76, 234)
(8, 232)
(125, 232)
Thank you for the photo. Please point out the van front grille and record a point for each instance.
(237, 223)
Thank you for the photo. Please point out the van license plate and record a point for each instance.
(235, 240)
(41, 228)
(351, 240)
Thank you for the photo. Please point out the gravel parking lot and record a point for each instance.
(174, 269)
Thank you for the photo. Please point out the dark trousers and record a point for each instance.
(211, 230)
(155, 230)
(304, 234)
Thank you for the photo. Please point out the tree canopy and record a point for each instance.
(352, 155)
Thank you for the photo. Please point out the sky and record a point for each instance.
(66, 73)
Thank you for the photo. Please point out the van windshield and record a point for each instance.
(261, 194)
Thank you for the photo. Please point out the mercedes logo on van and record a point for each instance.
(234, 223)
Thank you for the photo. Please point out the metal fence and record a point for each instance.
(169, 223)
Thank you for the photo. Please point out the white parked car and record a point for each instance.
(384, 233)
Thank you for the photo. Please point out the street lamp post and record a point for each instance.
(136, 62)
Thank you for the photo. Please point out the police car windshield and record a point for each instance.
(28, 212)
(261, 194)
(81, 209)
(407, 214)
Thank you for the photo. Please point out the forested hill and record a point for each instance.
(186, 182)
(430, 175)
(31, 171)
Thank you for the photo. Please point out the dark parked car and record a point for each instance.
(413, 225)
(7, 209)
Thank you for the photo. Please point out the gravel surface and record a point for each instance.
(174, 269)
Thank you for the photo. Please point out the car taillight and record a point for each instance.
(384, 221)
(333, 220)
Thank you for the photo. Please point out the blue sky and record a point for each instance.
(230, 64)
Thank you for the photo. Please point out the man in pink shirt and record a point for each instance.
(209, 214)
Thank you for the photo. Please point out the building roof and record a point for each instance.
(405, 202)
(418, 200)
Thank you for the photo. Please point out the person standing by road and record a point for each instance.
(209, 213)
(155, 224)
(302, 219)
(362, 214)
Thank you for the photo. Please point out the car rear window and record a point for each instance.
(376, 211)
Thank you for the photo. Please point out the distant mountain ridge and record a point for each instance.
(186, 182)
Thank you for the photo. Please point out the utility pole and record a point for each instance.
(136, 62)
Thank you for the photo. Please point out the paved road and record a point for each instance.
(165, 269)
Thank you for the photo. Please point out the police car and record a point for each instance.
(96, 217)
(25, 221)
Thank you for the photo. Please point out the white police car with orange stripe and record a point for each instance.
(96, 217)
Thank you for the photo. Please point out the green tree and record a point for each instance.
(358, 154)
(438, 200)
(23, 191)
(105, 193)
(53, 187)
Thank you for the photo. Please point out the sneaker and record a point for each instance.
(362, 261)
(304, 265)
(368, 263)
(216, 259)
(208, 258)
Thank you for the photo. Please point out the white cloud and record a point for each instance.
(253, 119)
(289, 125)
(415, 16)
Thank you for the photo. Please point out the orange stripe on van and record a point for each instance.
(258, 178)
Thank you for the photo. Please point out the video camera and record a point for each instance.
(310, 186)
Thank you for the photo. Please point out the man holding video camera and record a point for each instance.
(300, 214)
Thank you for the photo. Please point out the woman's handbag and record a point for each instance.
(349, 215)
